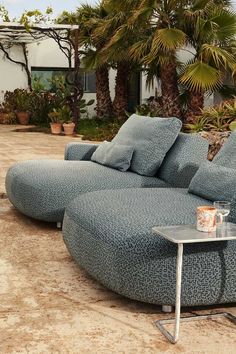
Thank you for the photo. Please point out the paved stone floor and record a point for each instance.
(49, 305)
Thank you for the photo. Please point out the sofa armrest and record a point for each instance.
(79, 151)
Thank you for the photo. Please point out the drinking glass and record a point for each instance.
(223, 210)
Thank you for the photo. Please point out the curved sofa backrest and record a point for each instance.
(183, 160)
(227, 155)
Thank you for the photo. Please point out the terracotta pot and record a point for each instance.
(23, 117)
(56, 128)
(69, 128)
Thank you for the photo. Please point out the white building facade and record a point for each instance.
(46, 58)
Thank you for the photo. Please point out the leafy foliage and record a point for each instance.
(148, 35)
(99, 130)
(41, 102)
(219, 118)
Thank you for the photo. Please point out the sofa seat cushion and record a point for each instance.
(43, 188)
(151, 138)
(109, 233)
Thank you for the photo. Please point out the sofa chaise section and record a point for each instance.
(42, 189)
(110, 235)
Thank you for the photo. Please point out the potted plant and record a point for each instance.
(22, 105)
(66, 117)
(69, 127)
(56, 122)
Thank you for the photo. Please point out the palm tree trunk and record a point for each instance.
(170, 91)
(195, 106)
(104, 104)
(120, 103)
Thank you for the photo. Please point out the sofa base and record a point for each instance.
(167, 309)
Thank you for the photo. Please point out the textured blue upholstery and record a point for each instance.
(79, 151)
(214, 182)
(113, 155)
(151, 138)
(183, 160)
(107, 229)
(42, 189)
(110, 235)
(227, 155)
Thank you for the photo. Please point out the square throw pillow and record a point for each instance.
(113, 155)
(214, 182)
(227, 155)
(151, 138)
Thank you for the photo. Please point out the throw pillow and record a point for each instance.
(214, 182)
(113, 155)
(151, 138)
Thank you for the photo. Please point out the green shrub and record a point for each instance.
(219, 118)
(99, 130)
(42, 104)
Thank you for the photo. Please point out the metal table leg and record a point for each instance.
(160, 324)
(174, 338)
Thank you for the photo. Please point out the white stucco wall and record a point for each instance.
(11, 75)
(48, 54)
(43, 54)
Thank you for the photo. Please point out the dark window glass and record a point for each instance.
(46, 74)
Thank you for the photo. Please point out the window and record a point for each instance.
(89, 82)
(45, 75)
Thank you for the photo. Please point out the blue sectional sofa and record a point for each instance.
(42, 189)
(109, 215)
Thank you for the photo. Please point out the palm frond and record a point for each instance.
(90, 61)
(168, 39)
(220, 57)
(200, 76)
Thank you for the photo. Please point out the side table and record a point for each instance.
(185, 234)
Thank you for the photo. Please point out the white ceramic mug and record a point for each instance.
(206, 219)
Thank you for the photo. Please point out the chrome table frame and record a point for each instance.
(173, 338)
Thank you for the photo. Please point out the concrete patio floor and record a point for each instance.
(49, 305)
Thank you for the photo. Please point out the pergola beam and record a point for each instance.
(16, 32)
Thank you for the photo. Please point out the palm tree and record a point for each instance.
(116, 51)
(158, 41)
(211, 31)
(89, 18)
(171, 26)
